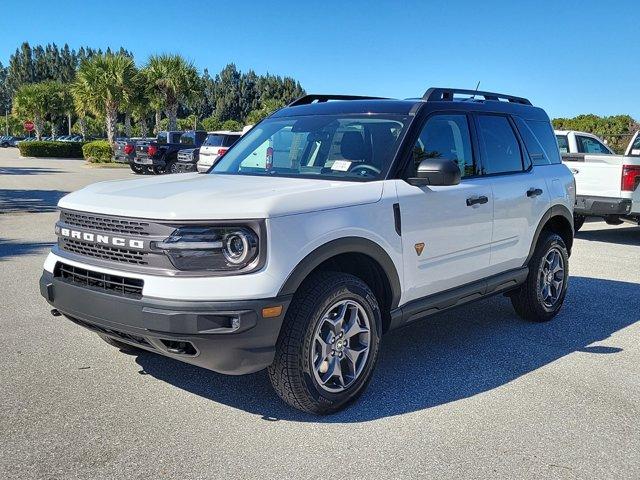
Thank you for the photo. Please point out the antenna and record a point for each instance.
(476, 90)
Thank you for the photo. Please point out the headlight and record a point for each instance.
(211, 248)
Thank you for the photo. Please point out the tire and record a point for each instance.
(612, 220)
(138, 170)
(578, 221)
(299, 366)
(172, 168)
(529, 299)
(123, 347)
(5, 145)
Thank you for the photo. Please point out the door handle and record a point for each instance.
(477, 200)
(534, 192)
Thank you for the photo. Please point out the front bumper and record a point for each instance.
(602, 206)
(228, 337)
(186, 167)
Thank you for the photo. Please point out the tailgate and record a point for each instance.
(596, 175)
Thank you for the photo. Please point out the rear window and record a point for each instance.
(563, 143)
(162, 137)
(187, 139)
(214, 140)
(230, 140)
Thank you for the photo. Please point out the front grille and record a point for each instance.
(113, 284)
(105, 224)
(104, 252)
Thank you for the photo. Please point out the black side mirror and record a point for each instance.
(436, 171)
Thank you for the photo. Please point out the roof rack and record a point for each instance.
(446, 94)
(307, 99)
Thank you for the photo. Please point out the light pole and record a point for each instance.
(6, 121)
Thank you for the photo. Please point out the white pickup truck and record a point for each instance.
(606, 183)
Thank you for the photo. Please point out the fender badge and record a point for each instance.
(419, 248)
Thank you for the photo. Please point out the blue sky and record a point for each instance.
(569, 56)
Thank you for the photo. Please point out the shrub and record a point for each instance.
(51, 149)
(98, 151)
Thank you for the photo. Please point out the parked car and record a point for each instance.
(369, 215)
(161, 155)
(606, 183)
(215, 145)
(10, 141)
(125, 151)
(187, 156)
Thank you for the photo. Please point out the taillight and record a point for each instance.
(269, 159)
(128, 148)
(151, 150)
(630, 177)
(222, 151)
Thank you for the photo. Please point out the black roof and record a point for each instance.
(434, 99)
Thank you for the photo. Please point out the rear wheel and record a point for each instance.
(541, 296)
(578, 221)
(137, 169)
(613, 220)
(328, 345)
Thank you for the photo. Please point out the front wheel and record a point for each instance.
(541, 296)
(328, 345)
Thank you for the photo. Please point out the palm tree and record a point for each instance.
(36, 101)
(174, 80)
(104, 84)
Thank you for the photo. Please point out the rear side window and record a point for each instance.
(447, 137)
(591, 145)
(162, 137)
(187, 139)
(563, 143)
(500, 147)
(540, 141)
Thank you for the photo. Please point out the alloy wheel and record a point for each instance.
(551, 277)
(340, 345)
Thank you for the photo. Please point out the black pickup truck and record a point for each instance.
(160, 156)
(124, 151)
(188, 156)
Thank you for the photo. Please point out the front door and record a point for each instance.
(446, 230)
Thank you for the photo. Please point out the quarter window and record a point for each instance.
(500, 147)
(447, 137)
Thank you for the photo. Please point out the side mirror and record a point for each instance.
(436, 171)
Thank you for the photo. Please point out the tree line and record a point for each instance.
(616, 130)
(92, 92)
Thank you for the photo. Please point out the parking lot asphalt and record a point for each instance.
(472, 393)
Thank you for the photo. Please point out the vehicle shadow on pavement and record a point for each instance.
(10, 249)
(454, 355)
(29, 201)
(28, 170)
(621, 236)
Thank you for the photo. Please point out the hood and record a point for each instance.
(195, 196)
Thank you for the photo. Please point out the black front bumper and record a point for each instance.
(185, 167)
(602, 206)
(227, 337)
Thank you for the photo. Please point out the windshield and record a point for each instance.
(343, 147)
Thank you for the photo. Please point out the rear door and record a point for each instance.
(520, 195)
(446, 230)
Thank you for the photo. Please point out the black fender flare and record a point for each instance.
(337, 247)
(554, 211)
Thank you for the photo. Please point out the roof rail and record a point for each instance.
(446, 94)
(307, 99)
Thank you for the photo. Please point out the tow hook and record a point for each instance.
(55, 312)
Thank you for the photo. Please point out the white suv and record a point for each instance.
(215, 145)
(365, 215)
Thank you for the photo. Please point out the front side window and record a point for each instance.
(500, 147)
(342, 147)
(446, 137)
(591, 145)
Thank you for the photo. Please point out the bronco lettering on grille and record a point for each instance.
(99, 238)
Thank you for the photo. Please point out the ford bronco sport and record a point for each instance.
(364, 215)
